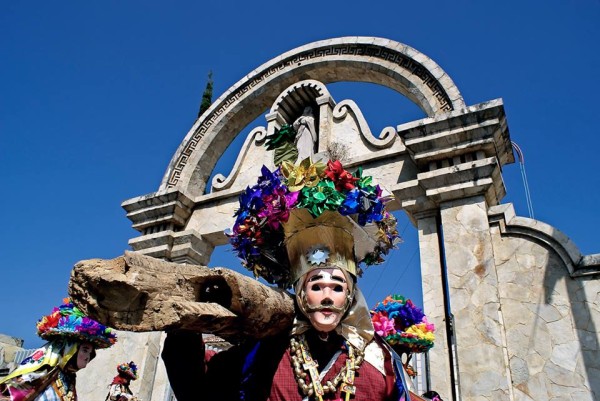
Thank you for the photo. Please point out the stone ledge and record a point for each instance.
(511, 224)
(163, 207)
(459, 132)
(182, 246)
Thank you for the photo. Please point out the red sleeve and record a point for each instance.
(208, 354)
(390, 377)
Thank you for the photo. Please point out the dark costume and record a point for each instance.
(256, 371)
(307, 226)
(119, 390)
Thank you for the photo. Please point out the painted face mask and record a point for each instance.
(325, 297)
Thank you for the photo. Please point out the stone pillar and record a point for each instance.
(433, 302)
(326, 104)
(474, 301)
(162, 388)
(143, 348)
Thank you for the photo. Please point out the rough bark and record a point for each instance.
(140, 293)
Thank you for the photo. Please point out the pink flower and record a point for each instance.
(429, 326)
(383, 326)
(277, 207)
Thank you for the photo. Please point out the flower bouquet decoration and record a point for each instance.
(258, 235)
(403, 326)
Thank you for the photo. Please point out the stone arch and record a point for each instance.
(356, 59)
(483, 269)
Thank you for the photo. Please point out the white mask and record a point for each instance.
(326, 294)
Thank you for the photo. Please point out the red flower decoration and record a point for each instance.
(50, 321)
(37, 355)
(343, 180)
(251, 229)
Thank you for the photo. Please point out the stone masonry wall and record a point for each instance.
(9, 346)
(551, 321)
(474, 301)
(142, 348)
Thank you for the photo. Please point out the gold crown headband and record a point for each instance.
(328, 240)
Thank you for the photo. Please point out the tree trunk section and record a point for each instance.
(140, 293)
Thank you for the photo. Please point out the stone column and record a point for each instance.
(474, 300)
(143, 348)
(326, 104)
(433, 302)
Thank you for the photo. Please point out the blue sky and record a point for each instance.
(95, 97)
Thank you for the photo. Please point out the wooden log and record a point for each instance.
(140, 293)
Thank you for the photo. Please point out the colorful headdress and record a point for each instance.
(301, 216)
(403, 325)
(69, 323)
(128, 370)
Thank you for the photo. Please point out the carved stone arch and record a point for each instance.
(483, 269)
(290, 103)
(356, 59)
(436, 167)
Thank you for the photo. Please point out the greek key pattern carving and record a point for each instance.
(344, 49)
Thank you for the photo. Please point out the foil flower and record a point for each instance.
(322, 197)
(370, 204)
(282, 144)
(411, 331)
(268, 181)
(247, 239)
(277, 207)
(251, 202)
(286, 134)
(387, 235)
(306, 174)
(343, 180)
(257, 235)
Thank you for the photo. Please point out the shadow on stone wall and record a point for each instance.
(580, 304)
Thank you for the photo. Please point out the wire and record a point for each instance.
(385, 265)
(404, 229)
(524, 178)
(405, 268)
(401, 274)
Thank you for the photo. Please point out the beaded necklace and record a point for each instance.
(64, 388)
(310, 383)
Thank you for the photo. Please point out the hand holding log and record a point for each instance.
(139, 293)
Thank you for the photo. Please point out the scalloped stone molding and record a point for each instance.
(509, 223)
